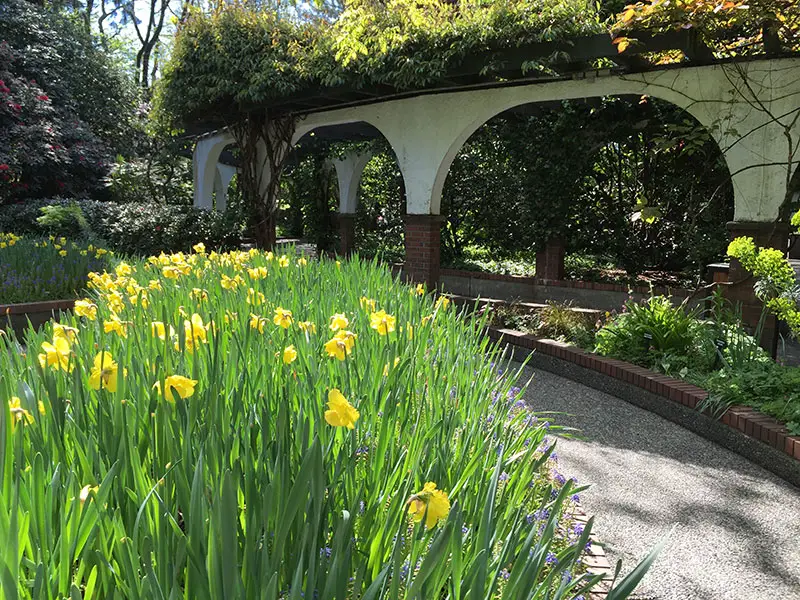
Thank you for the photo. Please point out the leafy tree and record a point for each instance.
(728, 27)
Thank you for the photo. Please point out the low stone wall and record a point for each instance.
(756, 436)
(17, 316)
(600, 296)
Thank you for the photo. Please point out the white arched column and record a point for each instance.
(349, 169)
(221, 182)
(205, 157)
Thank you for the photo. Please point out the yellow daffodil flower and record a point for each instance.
(430, 503)
(159, 330)
(302, 262)
(420, 289)
(340, 345)
(381, 322)
(200, 248)
(283, 261)
(17, 412)
(176, 385)
(86, 308)
(307, 326)
(338, 321)
(367, 303)
(289, 355)
(68, 333)
(117, 326)
(340, 412)
(257, 322)
(282, 318)
(254, 297)
(200, 294)
(171, 272)
(104, 372)
(56, 355)
(62, 252)
(115, 302)
(85, 491)
(386, 366)
(257, 273)
(123, 269)
(442, 302)
(228, 283)
(194, 332)
(154, 284)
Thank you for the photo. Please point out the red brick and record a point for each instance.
(756, 430)
(796, 442)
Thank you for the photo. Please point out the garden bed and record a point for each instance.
(18, 316)
(602, 296)
(759, 437)
(274, 416)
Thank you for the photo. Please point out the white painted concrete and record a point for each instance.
(204, 162)
(221, 182)
(348, 173)
(746, 107)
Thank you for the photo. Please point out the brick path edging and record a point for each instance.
(754, 435)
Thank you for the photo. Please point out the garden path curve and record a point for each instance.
(738, 525)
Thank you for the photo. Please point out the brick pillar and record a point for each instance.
(347, 233)
(550, 260)
(767, 235)
(423, 239)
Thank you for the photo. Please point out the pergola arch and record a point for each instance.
(205, 161)
(427, 131)
(524, 95)
(747, 106)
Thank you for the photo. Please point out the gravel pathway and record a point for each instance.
(738, 526)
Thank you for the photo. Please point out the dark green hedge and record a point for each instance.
(136, 229)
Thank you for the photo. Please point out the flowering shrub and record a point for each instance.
(45, 269)
(244, 425)
(44, 149)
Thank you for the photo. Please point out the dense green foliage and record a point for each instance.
(707, 347)
(637, 182)
(65, 107)
(131, 228)
(710, 349)
(181, 446)
(235, 58)
(730, 28)
(776, 280)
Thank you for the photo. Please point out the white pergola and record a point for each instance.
(749, 108)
